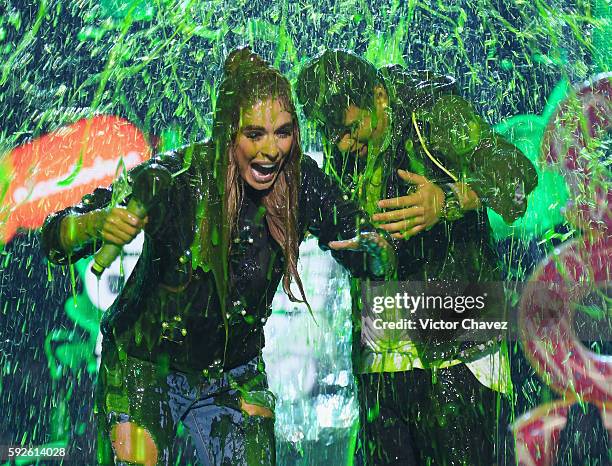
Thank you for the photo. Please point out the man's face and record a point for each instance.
(357, 130)
(362, 127)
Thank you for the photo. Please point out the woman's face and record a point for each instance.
(263, 142)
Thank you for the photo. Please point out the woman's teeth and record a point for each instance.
(263, 172)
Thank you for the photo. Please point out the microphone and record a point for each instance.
(148, 185)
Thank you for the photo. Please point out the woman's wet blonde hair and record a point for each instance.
(247, 80)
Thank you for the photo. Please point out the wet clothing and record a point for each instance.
(420, 417)
(461, 144)
(170, 312)
(192, 419)
(441, 415)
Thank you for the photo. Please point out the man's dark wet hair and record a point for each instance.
(329, 83)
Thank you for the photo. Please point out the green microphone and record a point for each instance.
(147, 188)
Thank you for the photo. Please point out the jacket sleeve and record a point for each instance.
(101, 198)
(51, 229)
(330, 216)
(496, 170)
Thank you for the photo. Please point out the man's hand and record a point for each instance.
(414, 212)
(381, 255)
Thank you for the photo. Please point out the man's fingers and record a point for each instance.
(416, 229)
(398, 202)
(413, 178)
(400, 214)
(409, 233)
(403, 225)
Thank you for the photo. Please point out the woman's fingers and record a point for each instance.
(343, 245)
(381, 254)
(117, 236)
(121, 215)
(363, 242)
(121, 226)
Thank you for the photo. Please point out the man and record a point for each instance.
(424, 165)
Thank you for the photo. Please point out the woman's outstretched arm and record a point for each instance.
(342, 226)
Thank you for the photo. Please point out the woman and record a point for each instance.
(182, 343)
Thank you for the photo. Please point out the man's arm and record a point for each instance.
(489, 171)
(411, 214)
(497, 171)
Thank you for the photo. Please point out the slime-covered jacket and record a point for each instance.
(462, 146)
(170, 309)
(462, 143)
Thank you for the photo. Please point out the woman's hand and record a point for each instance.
(119, 226)
(381, 255)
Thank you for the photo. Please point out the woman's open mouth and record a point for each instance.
(263, 172)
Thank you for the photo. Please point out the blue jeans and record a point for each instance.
(191, 419)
